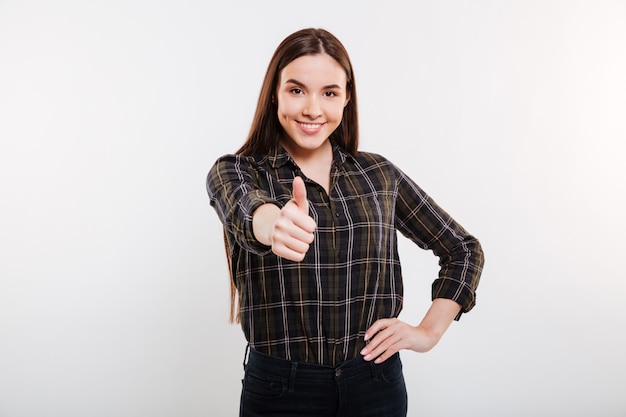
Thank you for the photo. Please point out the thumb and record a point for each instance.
(299, 195)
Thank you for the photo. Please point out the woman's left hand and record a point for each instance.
(391, 336)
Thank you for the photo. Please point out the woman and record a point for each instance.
(310, 230)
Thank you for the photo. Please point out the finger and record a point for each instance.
(387, 348)
(304, 224)
(376, 327)
(297, 243)
(288, 254)
(378, 343)
(383, 346)
(380, 336)
(295, 253)
(299, 195)
(307, 225)
(386, 355)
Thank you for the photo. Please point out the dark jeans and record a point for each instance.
(279, 388)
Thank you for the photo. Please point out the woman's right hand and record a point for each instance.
(289, 231)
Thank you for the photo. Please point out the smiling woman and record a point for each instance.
(112, 275)
(310, 230)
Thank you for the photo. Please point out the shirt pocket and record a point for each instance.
(368, 211)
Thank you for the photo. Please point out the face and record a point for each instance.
(311, 96)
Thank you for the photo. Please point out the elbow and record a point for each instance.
(476, 253)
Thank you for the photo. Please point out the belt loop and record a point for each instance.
(292, 375)
(246, 357)
(375, 370)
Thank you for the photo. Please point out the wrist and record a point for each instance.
(263, 221)
(427, 338)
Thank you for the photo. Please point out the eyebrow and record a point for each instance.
(298, 83)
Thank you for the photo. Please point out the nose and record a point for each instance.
(313, 108)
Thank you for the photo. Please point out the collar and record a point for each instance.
(278, 156)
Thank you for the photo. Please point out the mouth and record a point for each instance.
(310, 126)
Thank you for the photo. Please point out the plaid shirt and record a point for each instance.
(317, 310)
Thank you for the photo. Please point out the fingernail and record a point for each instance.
(364, 351)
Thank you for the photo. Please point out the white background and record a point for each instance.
(113, 282)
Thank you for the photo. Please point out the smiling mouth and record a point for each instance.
(310, 125)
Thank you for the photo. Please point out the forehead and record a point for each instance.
(313, 69)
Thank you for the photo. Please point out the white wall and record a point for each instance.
(113, 286)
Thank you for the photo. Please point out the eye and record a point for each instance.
(296, 91)
(330, 94)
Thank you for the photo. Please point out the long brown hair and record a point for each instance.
(265, 131)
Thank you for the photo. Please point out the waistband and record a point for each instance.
(271, 365)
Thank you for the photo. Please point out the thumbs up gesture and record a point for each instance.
(299, 195)
(293, 230)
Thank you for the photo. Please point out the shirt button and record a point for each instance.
(337, 214)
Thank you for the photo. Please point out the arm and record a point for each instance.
(252, 216)
(263, 220)
(235, 192)
(460, 254)
(420, 219)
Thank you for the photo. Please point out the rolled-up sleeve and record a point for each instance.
(232, 185)
(460, 254)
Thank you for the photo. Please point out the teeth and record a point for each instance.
(311, 125)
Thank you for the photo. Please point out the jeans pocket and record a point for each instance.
(391, 372)
(267, 387)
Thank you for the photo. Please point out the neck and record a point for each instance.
(320, 155)
(316, 163)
